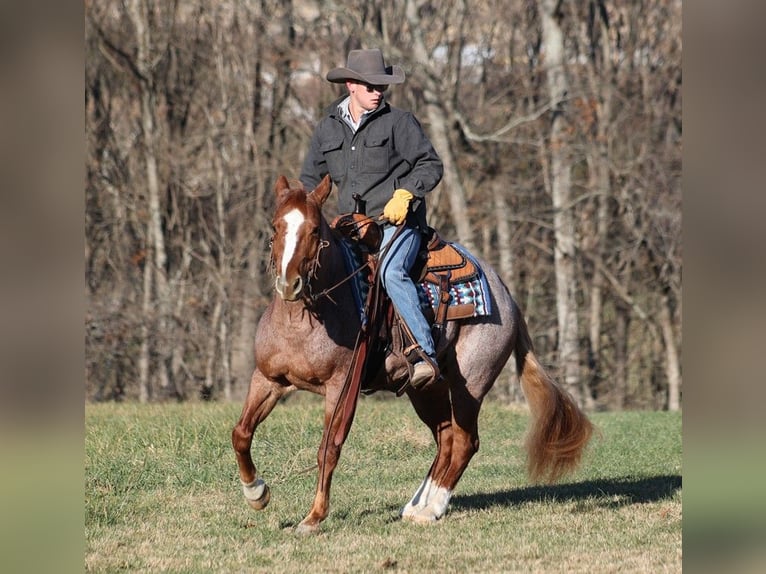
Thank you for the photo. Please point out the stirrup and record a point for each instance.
(422, 370)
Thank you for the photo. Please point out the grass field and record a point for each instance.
(162, 495)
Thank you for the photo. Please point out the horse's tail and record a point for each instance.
(558, 431)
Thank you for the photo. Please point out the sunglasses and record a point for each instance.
(373, 88)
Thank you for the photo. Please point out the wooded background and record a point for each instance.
(559, 124)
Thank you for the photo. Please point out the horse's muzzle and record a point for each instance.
(289, 290)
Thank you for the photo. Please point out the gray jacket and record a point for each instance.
(389, 151)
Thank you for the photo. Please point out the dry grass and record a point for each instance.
(162, 496)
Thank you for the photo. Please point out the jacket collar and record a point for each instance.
(334, 112)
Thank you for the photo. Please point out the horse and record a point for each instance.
(306, 341)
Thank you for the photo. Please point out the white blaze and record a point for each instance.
(294, 220)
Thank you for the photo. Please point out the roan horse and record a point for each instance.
(306, 342)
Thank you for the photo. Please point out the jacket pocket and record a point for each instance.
(376, 155)
(332, 151)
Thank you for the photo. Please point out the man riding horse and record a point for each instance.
(305, 339)
(381, 154)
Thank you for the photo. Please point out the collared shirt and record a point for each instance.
(345, 113)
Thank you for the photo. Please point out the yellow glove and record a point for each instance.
(397, 207)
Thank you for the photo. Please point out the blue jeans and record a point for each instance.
(394, 272)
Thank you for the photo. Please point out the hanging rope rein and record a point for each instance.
(314, 297)
(314, 265)
(355, 226)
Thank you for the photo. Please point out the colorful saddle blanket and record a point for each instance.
(468, 288)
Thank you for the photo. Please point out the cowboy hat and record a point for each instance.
(366, 66)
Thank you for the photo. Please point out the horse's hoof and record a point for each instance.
(421, 516)
(262, 501)
(306, 529)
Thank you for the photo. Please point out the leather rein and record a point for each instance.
(346, 405)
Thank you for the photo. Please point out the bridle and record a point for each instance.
(312, 269)
(309, 297)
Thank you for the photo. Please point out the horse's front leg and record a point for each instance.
(327, 459)
(261, 398)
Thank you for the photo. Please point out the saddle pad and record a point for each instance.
(359, 286)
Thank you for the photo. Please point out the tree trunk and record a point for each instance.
(672, 362)
(620, 384)
(156, 241)
(242, 357)
(437, 119)
(180, 286)
(224, 345)
(561, 191)
(503, 226)
(598, 109)
(144, 354)
(208, 385)
(224, 276)
(507, 274)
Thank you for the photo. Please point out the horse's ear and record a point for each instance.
(322, 190)
(281, 187)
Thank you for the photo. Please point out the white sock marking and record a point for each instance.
(438, 500)
(254, 490)
(429, 500)
(417, 498)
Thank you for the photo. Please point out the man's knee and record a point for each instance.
(394, 275)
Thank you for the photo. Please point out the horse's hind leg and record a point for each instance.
(430, 500)
(261, 398)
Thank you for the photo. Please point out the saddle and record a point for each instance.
(444, 259)
(445, 266)
(439, 264)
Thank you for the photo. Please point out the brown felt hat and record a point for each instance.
(366, 66)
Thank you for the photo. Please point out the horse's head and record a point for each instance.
(296, 243)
